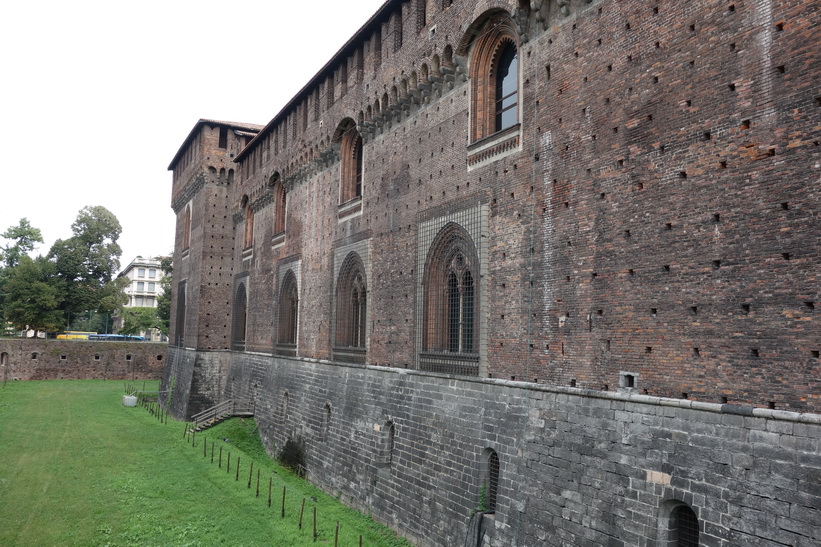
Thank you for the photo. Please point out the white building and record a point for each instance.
(144, 288)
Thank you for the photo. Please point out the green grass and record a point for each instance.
(78, 468)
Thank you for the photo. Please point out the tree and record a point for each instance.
(164, 299)
(139, 319)
(87, 262)
(31, 297)
(24, 236)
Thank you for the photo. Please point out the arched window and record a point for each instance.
(450, 303)
(683, 527)
(186, 233)
(288, 315)
(279, 207)
(351, 160)
(489, 481)
(239, 318)
(387, 439)
(495, 77)
(248, 238)
(351, 310)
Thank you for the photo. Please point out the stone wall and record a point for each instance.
(28, 359)
(576, 467)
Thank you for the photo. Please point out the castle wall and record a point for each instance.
(577, 467)
(29, 359)
(642, 324)
(651, 223)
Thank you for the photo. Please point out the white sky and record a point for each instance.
(97, 96)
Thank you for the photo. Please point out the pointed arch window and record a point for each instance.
(288, 315)
(450, 303)
(280, 198)
(351, 311)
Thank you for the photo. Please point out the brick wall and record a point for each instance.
(81, 360)
(654, 214)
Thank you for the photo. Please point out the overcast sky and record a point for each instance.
(97, 97)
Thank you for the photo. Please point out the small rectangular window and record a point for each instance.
(140, 286)
(152, 274)
(140, 272)
(152, 287)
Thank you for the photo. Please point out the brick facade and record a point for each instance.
(654, 212)
(29, 359)
(646, 224)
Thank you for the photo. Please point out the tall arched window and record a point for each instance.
(351, 310)
(279, 207)
(248, 212)
(489, 481)
(288, 315)
(351, 161)
(450, 303)
(387, 439)
(186, 230)
(239, 318)
(494, 76)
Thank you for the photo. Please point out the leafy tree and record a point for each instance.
(31, 297)
(139, 319)
(164, 299)
(24, 236)
(87, 262)
(21, 241)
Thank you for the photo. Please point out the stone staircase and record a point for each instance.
(227, 409)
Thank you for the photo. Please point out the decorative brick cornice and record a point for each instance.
(188, 193)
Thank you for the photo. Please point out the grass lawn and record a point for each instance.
(78, 468)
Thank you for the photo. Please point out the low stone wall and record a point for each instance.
(30, 359)
(575, 467)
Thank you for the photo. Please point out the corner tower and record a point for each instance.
(203, 173)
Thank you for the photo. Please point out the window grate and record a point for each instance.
(685, 525)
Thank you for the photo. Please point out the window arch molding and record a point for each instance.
(450, 293)
(494, 45)
(288, 324)
(351, 155)
(351, 310)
